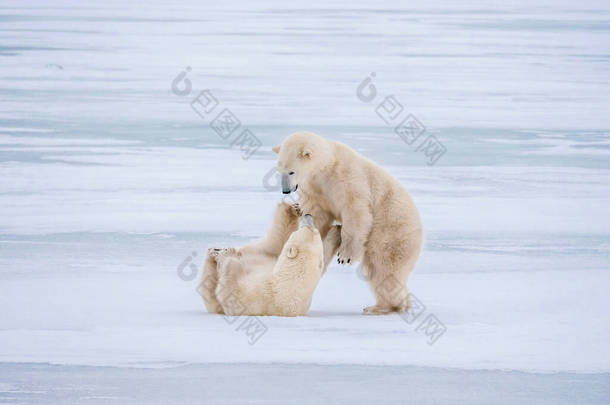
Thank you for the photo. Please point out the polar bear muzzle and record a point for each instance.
(286, 189)
(306, 220)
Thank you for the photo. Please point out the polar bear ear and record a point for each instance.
(305, 153)
(292, 252)
(276, 149)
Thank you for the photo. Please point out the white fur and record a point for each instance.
(274, 276)
(380, 225)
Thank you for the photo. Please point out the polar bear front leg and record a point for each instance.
(356, 223)
(331, 244)
(285, 221)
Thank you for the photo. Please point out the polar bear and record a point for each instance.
(380, 225)
(274, 276)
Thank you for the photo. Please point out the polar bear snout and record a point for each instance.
(306, 220)
(287, 187)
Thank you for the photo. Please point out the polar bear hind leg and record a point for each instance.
(229, 291)
(388, 265)
(209, 281)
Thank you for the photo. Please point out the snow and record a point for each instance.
(109, 181)
(515, 265)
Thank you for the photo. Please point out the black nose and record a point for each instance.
(286, 192)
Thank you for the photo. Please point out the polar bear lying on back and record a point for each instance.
(275, 276)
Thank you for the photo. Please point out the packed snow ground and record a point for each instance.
(92, 252)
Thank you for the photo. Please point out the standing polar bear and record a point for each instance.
(274, 276)
(380, 225)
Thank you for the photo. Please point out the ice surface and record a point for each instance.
(294, 384)
(515, 265)
(109, 181)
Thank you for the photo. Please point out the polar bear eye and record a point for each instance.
(291, 173)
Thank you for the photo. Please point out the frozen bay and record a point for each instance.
(109, 182)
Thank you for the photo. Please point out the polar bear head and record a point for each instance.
(303, 254)
(297, 271)
(300, 156)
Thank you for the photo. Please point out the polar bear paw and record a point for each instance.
(216, 252)
(213, 252)
(346, 255)
(376, 310)
(296, 209)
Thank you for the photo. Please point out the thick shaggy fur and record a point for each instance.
(274, 276)
(380, 225)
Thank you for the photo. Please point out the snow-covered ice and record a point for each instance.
(109, 181)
